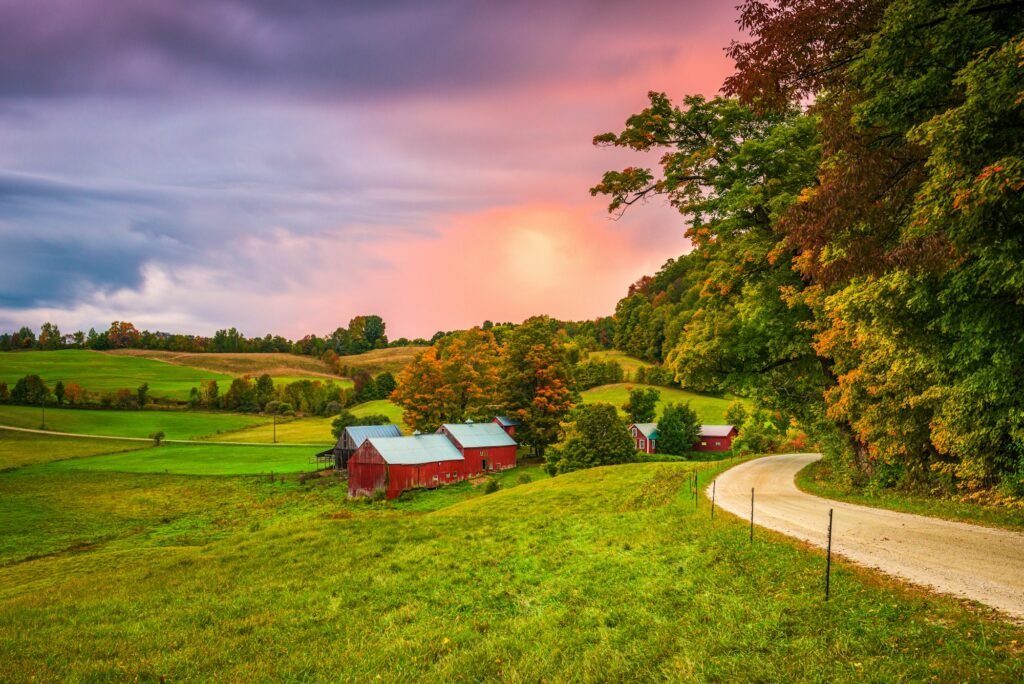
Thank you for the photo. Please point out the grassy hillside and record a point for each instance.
(710, 409)
(236, 364)
(199, 459)
(602, 575)
(99, 372)
(380, 360)
(19, 449)
(175, 424)
(167, 374)
(628, 363)
(311, 430)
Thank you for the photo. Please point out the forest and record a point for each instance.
(854, 204)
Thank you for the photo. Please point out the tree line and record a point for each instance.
(854, 201)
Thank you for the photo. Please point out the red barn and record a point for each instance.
(645, 436)
(715, 438)
(485, 446)
(396, 464)
(507, 424)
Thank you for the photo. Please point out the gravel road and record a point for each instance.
(980, 563)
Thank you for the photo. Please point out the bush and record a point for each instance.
(491, 486)
(157, 438)
(599, 437)
(379, 494)
(524, 478)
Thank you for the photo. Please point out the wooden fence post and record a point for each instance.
(828, 557)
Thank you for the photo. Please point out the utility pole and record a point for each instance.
(275, 428)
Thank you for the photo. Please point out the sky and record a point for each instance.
(282, 167)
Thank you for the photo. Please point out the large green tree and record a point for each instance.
(598, 436)
(537, 381)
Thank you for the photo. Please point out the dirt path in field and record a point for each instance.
(147, 439)
(980, 563)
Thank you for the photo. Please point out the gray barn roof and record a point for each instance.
(360, 433)
(649, 430)
(716, 430)
(505, 421)
(416, 449)
(478, 435)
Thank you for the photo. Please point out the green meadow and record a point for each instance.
(199, 459)
(19, 449)
(310, 430)
(710, 409)
(174, 424)
(629, 364)
(610, 574)
(100, 372)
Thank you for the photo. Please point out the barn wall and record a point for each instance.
(429, 475)
(714, 444)
(367, 471)
(498, 458)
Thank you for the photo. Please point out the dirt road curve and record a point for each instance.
(979, 563)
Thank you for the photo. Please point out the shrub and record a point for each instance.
(599, 437)
(157, 438)
(379, 494)
(491, 486)
(524, 478)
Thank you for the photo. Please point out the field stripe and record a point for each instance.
(148, 440)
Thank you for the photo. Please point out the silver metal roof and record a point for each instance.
(506, 421)
(416, 449)
(478, 435)
(716, 430)
(649, 430)
(360, 433)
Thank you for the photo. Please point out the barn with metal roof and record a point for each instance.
(395, 464)
(485, 446)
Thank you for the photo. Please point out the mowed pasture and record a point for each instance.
(101, 373)
(609, 574)
(311, 430)
(378, 361)
(200, 459)
(236, 364)
(19, 449)
(710, 410)
(629, 364)
(174, 424)
(108, 372)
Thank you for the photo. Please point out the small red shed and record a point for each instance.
(485, 446)
(715, 438)
(396, 464)
(507, 424)
(645, 436)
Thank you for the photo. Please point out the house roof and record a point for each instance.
(360, 433)
(415, 449)
(477, 435)
(505, 421)
(649, 430)
(716, 430)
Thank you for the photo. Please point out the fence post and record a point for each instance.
(713, 483)
(751, 515)
(828, 557)
(695, 485)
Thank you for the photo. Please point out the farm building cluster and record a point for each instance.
(712, 437)
(380, 458)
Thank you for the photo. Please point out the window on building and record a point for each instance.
(703, 443)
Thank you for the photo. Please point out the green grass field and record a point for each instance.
(817, 479)
(101, 372)
(602, 575)
(174, 424)
(19, 449)
(711, 410)
(629, 364)
(199, 459)
(276, 364)
(311, 430)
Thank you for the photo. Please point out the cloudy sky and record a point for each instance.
(284, 166)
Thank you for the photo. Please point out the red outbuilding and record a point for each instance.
(507, 424)
(715, 438)
(645, 436)
(395, 464)
(485, 446)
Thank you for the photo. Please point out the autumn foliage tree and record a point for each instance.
(856, 207)
(453, 381)
(537, 382)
